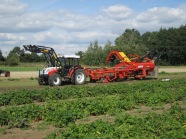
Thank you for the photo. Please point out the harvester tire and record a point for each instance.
(55, 80)
(79, 77)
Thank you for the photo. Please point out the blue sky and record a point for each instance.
(70, 25)
(93, 6)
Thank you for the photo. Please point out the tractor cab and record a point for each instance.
(68, 62)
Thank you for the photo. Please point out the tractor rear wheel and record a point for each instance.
(54, 80)
(92, 80)
(78, 77)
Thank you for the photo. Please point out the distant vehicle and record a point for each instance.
(5, 72)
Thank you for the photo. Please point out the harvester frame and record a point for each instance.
(137, 67)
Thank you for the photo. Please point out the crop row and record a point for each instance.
(61, 113)
(168, 125)
(29, 96)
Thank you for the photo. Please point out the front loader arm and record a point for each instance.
(48, 52)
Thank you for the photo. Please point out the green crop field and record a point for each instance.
(14, 83)
(130, 109)
(144, 109)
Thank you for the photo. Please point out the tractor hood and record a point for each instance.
(45, 71)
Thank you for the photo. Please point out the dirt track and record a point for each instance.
(34, 74)
(171, 70)
(27, 74)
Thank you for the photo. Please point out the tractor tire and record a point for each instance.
(92, 80)
(42, 81)
(79, 77)
(55, 80)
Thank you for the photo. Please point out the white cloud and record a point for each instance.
(154, 18)
(70, 32)
(11, 7)
(161, 15)
(119, 12)
(10, 37)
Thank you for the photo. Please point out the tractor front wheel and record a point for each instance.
(54, 80)
(42, 81)
(78, 77)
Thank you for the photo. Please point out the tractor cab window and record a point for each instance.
(72, 62)
(69, 61)
(62, 60)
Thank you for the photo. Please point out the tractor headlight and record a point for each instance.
(45, 71)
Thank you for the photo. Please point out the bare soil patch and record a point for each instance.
(142, 110)
(27, 74)
(34, 132)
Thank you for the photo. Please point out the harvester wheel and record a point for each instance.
(120, 79)
(79, 77)
(54, 80)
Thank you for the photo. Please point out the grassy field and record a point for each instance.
(13, 83)
(37, 66)
(24, 67)
(172, 75)
(8, 83)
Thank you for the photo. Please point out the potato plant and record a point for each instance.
(63, 106)
(140, 91)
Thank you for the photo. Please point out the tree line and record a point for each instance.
(17, 55)
(171, 43)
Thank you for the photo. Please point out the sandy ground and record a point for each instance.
(34, 74)
(32, 133)
(171, 70)
(28, 74)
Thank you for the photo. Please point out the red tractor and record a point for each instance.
(60, 68)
